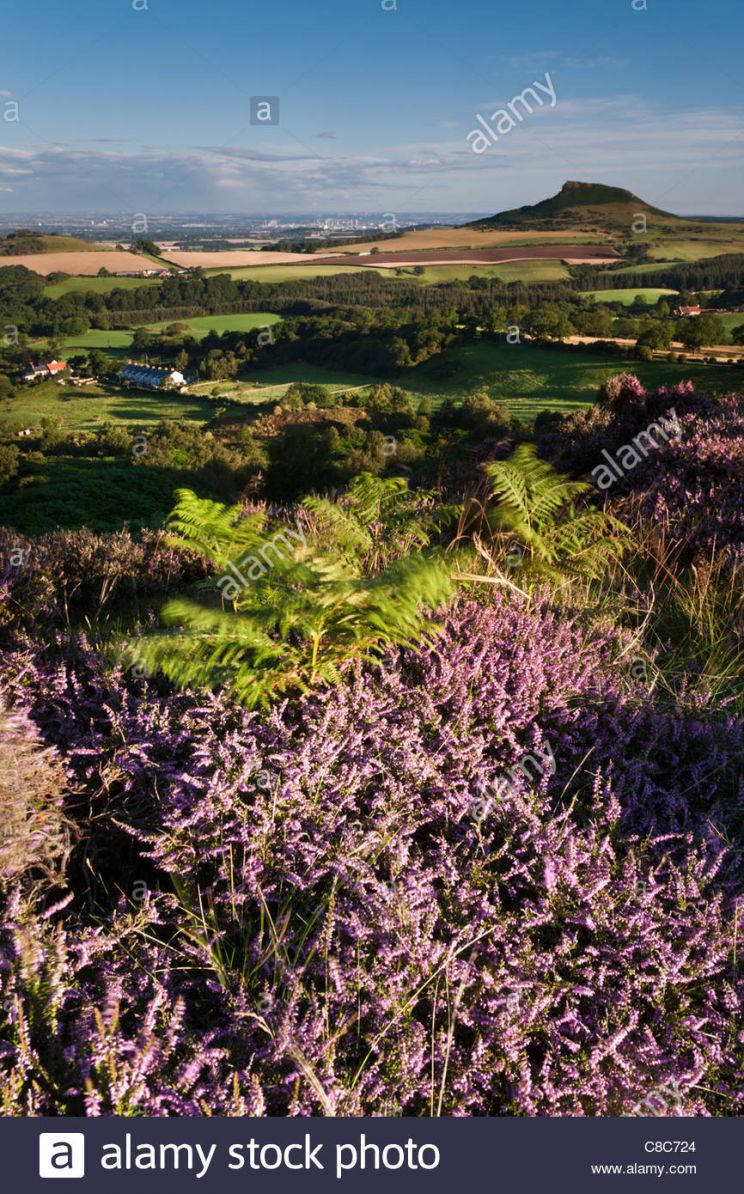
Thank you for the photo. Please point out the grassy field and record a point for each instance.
(646, 267)
(113, 340)
(475, 238)
(270, 385)
(89, 408)
(282, 273)
(676, 251)
(201, 325)
(732, 319)
(63, 491)
(532, 271)
(526, 379)
(627, 297)
(529, 379)
(512, 271)
(96, 285)
(694, 248)
(117, 341)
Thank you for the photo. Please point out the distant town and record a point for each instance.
(194, 230)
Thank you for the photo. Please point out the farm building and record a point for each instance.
(43, 369)
(694, 310)
(147, 377)
(142, 273)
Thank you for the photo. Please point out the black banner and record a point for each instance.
(390, 1155)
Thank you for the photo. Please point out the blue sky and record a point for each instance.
(144, 105)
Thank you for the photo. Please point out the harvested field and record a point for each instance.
(471, 238)
(591, 255)
(193, 259)
(84, 264)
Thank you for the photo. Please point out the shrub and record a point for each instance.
(63, 575)
(536, 506)
(299, 610)
(352, 928)
(693, 481)
(34, 832)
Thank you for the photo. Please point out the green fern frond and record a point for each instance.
(536, 505)
(307, 613)
(339, 526)
(216, 531)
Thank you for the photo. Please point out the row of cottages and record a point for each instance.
(143, 273)
(43, 369)
(147, 377)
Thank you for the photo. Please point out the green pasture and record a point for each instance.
(510, 271)
(96, 285)
(118, 340)
(646, 267)
(695, 248)
(90, 407)
(282, 273)
(201, 325)
(99, 493)
(270, 385)
(731, 319)
(628, 296)
(526, 379)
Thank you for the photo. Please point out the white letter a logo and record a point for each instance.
(61, 1154)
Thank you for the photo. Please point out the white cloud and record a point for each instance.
(679, 156)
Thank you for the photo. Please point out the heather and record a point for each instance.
(429, 807)
(337, 930)
(692, 482)
(65, 576)
(34, 832)
(695, 482)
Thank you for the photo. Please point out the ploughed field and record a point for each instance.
(237, 258)
(232, 258)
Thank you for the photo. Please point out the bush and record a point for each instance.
(9, 462)
(34, 833)
(66, 575)
(332, 868)
(693, 481)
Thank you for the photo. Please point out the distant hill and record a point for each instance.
(586, 205)
(25, 242)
